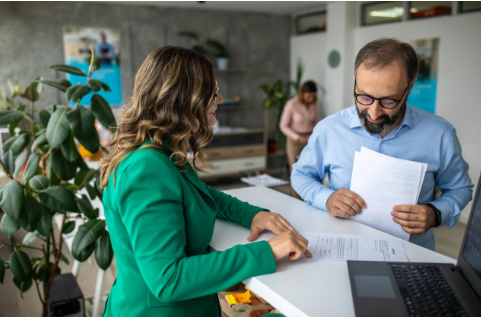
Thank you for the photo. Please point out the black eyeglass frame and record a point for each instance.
(398, 101)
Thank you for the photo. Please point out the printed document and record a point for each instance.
(343, 247)
(383, 182)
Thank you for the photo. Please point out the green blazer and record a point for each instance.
(161, 222)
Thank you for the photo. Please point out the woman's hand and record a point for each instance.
(289, 243)
(287, 237)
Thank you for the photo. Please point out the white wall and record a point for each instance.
(310, 49)
(458, 98)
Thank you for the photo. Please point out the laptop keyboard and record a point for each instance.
(426, 292)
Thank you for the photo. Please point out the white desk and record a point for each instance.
(305, 287)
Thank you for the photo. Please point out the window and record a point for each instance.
(468, 6)
(382, 12)
(423, 9)
(312, 22)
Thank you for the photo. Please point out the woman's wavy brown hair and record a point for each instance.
(173, 90)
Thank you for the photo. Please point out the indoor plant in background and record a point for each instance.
(215, 49)
(53, 177)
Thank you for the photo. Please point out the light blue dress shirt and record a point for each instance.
(421, 137)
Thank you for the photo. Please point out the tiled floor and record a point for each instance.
(12, 304)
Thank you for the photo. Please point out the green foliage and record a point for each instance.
(53, 176)
(215, 48)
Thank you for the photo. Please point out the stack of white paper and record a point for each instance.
(265, 180)
(383, 182)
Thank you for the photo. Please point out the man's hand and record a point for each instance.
(277, 224)
(302, 140)
(344, 203)
(414, 219)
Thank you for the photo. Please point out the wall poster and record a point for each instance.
(423, 94)
(105, 42)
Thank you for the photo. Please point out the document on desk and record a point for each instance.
(343, 247)
(383, 182)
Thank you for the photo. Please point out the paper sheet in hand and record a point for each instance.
(383, 182)
(343, 247)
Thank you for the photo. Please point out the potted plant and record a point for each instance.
(215, 49)
(54, 175)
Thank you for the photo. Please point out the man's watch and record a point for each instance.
(437, 216)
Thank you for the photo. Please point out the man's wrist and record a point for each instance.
(437, 215)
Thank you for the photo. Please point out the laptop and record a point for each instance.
(423, 289)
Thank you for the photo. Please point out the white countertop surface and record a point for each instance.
(305, 287)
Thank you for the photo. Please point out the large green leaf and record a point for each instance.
(32, 166)
(58, 199)
(45, 224)
(103, 112)
(58, 128)
(72, 187)
(96, 63)
(82, 122)
(19, 162)
(86, 208)
(12, 127)
(86, 235)
(65, 169)
(2, 271)
(7, 117)
(9, 162)
(81, 164)
(40, 140)
(31, 93)
(96, 85)
(21, 266)
(38, 182)
(91, 191)
(61, 84)
(76, 92)
(23, 286)
(31, 214)
(13, 199)
(69, 149)
(16, 144)
(103, 251)
(44, 117)
(68, 69)
(85, 253)
(8, 226)
(84, 177)
(30, 238)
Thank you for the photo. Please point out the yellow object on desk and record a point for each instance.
(233, 299)
(84, 153)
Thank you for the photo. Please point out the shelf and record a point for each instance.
(278, 153)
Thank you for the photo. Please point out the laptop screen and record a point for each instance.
(472, 243)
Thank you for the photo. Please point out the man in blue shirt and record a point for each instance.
(380, 120)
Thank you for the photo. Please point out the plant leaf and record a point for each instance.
(58, 199)
(31, 214)
(84, 177)
(68, 69)
(103, 112)
(86, 208)
(45, 224)
(69, 149)
(86, 235)
(68, 227)
(96, 85)
(19, 162)
(85, 253)
(32, 166)
(91, 191)
(72, 187)
(9, 162)
(40, 140)
(22, 286)
(31, 93)
(13, 199)
(7, 117)
(38, 182)
(16, 144)
(30, 238)
(61, 84)
(44, 117)
(8, 226)
(103, 251)
(58, 128)
(65, 169)
(21, 266)
(76, 92)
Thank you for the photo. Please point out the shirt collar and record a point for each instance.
(407, 120)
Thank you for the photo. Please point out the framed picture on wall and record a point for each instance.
(79, 42)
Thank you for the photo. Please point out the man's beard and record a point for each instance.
(379, 128)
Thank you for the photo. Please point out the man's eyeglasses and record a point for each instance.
(216, 92)
(387, 103)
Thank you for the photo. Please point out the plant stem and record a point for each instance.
(38, 291)
(55, 264)
(5, 170)
(21, 246)
(53, 243)
(32, 122)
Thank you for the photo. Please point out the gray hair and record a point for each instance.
(382, 52)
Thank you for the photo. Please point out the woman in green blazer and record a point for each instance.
(160, 215)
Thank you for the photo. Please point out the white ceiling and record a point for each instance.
(276, 7)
